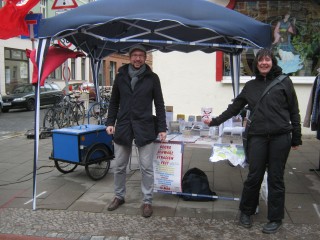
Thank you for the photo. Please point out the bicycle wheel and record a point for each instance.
(79, 114)
(63, 117)
(98, 161)
(94, 111)
(65, 167)
(93, 114)
(49, 121)
(60, 117)
(104, 110)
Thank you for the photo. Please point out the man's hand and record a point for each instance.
(162, 136)
(110, 130)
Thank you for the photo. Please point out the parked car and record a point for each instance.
(23, 96)
(86, 86)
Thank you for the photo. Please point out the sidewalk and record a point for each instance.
(72, 206)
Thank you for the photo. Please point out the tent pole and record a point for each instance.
(43, 46)
(95, 67)
(235, 72)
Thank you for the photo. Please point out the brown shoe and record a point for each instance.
(117, 202)
(147, 210)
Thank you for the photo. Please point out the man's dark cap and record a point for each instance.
(138, 47)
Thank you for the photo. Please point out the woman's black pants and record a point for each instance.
(271, 153)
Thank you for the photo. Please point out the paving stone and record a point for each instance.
(75, 207)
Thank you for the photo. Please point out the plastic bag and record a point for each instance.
(233, 153)
(264, 188)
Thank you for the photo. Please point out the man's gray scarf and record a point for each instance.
(134, 73)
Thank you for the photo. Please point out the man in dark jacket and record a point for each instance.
(274, 129)
(130, 118)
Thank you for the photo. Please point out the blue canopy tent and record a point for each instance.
(104, 27)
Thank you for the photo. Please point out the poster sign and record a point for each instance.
(206, 113)
(167, 165)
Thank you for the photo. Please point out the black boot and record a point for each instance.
(272, 227)
(245, 220)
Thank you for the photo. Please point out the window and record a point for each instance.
(16, 68)
(47, 87)
(7, 53)
(29, 88)
(54, 86)
(73, 69)
(16, 54)
(101, 79)
(113, 68)
(83, 69)
(295, 35)
(43, 8)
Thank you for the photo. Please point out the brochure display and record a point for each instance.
(168, 159)
(225, 141)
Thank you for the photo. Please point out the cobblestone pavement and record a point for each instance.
(78, 225)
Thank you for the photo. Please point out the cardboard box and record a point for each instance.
(169, 108)
(169, 115)
(169, 118)
(180, 117)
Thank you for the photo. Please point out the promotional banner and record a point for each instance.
(167, 165)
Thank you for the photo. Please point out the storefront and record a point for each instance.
(16, 68)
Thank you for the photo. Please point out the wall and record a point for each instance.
(188, 83)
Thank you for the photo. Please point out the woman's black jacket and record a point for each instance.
(278, 111)
(130, 111)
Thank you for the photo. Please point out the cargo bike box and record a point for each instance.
(87, 145)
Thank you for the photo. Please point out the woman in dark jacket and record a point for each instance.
(274, 130)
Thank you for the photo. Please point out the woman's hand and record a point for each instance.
(207, 121)
(162, 136)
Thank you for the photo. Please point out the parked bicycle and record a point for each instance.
(97, 113)
(68, 112)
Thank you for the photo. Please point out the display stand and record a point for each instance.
(168, 162)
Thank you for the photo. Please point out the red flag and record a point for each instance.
(12, 17)
(54, 58)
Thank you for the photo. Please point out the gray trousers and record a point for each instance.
(122, 155)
